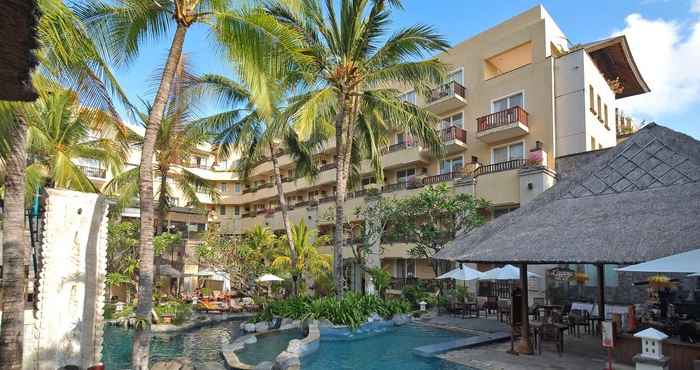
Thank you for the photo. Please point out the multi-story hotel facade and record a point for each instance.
(518, 96)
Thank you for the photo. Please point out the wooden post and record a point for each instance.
(524, 346)
(601, 293)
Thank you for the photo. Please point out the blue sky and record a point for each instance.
(664, 36)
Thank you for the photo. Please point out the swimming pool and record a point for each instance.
(389, 351)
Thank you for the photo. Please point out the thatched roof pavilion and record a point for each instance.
(637, 201)
(634, 202)
(19, 39)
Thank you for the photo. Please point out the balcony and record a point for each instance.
(503, 125)
(447, 97)
(431, 180)
(327, 166)
(454, 139)
(513, 164)
(94, 172)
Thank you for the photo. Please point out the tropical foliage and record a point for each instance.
(310, 262)
(344, 63)
(352, 310)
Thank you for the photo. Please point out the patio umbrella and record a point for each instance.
(695, 274)
(462, 273)
(269, 277)
(682, 262)
(507, 272)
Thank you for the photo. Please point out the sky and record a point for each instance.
(664, 36)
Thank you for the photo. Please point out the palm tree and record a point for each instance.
(343, 59)
(127, 24)
(310, 261)
(61, 131)
(247, 131)
(66, 56)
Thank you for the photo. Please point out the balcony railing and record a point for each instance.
(513, 164)
(451, 88)
(441, 178)
(327, 199)
(399, 146)
(388, 188)
(202, 166)
(502, 118)
(94, 171)
(453, 133)
(327, 166)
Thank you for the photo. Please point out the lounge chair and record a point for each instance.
(209, 307)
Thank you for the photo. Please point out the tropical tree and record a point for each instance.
(344, 65)
(259, 137)
(126, 25)
(258, 248)
(433, 217)
(122, 253)
(310, 262)
(67, 56)
(224, 254)
(61, 132)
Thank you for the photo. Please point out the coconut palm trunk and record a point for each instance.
(342, 159)
(142, 335)
(285, 220)
(14, 282)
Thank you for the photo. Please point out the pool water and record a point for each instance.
(268, 346)
(201, 345)
(390, 351)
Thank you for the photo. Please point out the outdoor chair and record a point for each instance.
(577, 319)
(491, 305)
(209, 307)
(504, 311)
(550, 333)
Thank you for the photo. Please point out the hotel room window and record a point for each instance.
(222, 210)
(237, 211)
(591, 98)
(600, 109)
(222, 187)
(605, 116)
(237, 187)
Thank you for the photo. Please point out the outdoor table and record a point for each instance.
(537, 326)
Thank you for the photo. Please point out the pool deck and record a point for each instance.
(579, 353)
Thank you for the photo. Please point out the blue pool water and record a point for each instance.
(388, 351)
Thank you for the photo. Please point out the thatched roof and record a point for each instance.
(635, 202)
(18, 40)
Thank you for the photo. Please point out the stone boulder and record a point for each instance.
(262, 327)
(401, 319)
(249, 327)
(182, 363)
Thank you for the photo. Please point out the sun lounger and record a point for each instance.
(210, 307)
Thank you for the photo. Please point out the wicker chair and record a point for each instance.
(551, 334)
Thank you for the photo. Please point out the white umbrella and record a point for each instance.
(462, 273)
(695, 274)
(269, 277)
(507, 272)
(683, 262)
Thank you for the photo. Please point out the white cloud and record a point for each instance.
(695, 7)
(667, 54)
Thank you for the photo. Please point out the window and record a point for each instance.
(400, 138)
(410, 268)
(593, 146)
(405, 268)
(237, 211)
(237, 187)
(454, 120)
(313, 194)
(605, 116)
(409, 97)
(368, 180)
(599, 106)
(508, 152)
(591, 98)
(451, 165)
(403, 175)
(222, 210)
(456, 76)
(507, 102)
(222, 187)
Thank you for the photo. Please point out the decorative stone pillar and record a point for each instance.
(465, 185)
(68, 325)
(652, 357)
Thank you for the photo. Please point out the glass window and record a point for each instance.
(591, 98)
(456, 76)
(451, 165)
(222, 210)
(507, 102)
(222, 187)
(403, 175)
(400, 138)
(237, 187)
(409, 97)
(517, 151)
(500, 154)
(454, 120)
(410, 268)
(237, 211)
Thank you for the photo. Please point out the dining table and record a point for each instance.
(536, 326)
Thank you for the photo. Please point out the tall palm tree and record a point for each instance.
(68, 56)
(345, 62)
(306, 243)
(126, 25)
(258, 137)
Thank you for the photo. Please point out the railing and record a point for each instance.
(441, 178)
(327, 166)
(399, 146)
(301, 204)
(198, 165)
(513, 164)
(388, 188)
(502, 118)
(94, 171)
(451, 88)
(327, 199)
(453, 133)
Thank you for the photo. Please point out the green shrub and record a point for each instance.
(180, 311)
(109, 311)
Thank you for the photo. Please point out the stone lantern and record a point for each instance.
(652, 357)
(422, 305)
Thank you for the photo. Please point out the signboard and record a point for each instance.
(561, 274)
(607, 333)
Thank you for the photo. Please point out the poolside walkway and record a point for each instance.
(579, 353)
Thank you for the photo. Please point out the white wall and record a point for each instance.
(575, 122)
